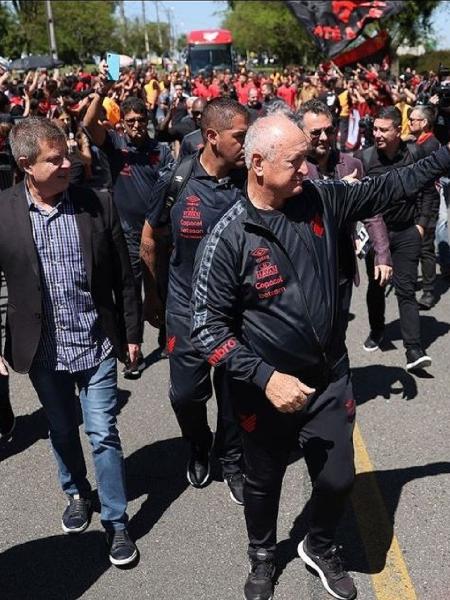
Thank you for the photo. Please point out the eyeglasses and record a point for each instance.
(412, 120)
(318, 132)
(197, 113)
(139, 120)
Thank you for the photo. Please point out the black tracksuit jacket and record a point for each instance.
(251, 310)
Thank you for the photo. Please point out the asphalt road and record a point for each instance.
(193, 542)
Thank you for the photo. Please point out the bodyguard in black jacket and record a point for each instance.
(406, 223)
(265, 307)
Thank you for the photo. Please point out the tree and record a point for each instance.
(412, 24)
(131, 41)
(181, 42)
(266, 26)
(82, 28)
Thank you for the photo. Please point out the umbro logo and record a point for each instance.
(260, 252)
(193, 201)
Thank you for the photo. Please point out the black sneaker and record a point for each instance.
(7, 419)
(329, 567)
(373, 342)
(77, 515)
(259, 584)
(122, 550)
(136, 371)
(426, 301)
(199, 464)
(417, 359)
(236, 484)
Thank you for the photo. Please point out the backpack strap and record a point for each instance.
(178, 181)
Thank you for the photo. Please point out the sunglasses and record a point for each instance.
(139, 120)
(197, 112)
(318, 132)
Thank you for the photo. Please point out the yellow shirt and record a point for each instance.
(152, 92)
(345, 106)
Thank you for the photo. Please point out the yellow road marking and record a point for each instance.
(391, 581)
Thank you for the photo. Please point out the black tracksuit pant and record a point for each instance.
(324, 430)
(405, 249)
(428, 261)
(191, 388)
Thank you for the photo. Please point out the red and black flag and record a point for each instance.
(335, 23)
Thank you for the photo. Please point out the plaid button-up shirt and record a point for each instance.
(72, 338)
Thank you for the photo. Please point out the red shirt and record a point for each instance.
(214, 91)
(287, 93)
(242, 91)
(201, 90)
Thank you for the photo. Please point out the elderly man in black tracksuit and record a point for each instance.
(265, 307)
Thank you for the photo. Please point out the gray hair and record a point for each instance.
(428, 113)
(28, 134)
(263, 136)
(279, 108)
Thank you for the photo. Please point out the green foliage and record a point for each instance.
(182, 42)
(427, 62)
(266, 26)
(82, 28)
(412, 24)
(130, 39)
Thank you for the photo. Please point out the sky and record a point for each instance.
(206, 14)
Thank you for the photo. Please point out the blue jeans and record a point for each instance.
(98, 398)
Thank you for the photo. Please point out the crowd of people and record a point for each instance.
(228, 210)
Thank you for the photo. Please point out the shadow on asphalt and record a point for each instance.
(442, 285)
(378, 380)
(431, 329)
(64, 567)
(29, 429)
(370, 557)
(157, 474)
(60, 567)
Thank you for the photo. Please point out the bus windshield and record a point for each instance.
(210, 57)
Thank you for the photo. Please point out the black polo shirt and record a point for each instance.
(202, 203)
(134, 171)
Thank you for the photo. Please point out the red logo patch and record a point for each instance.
(222, 351)
(171, 344)
(248, 422)
(317, 225)
(350, 407)
(193, 201)
(260, 252)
